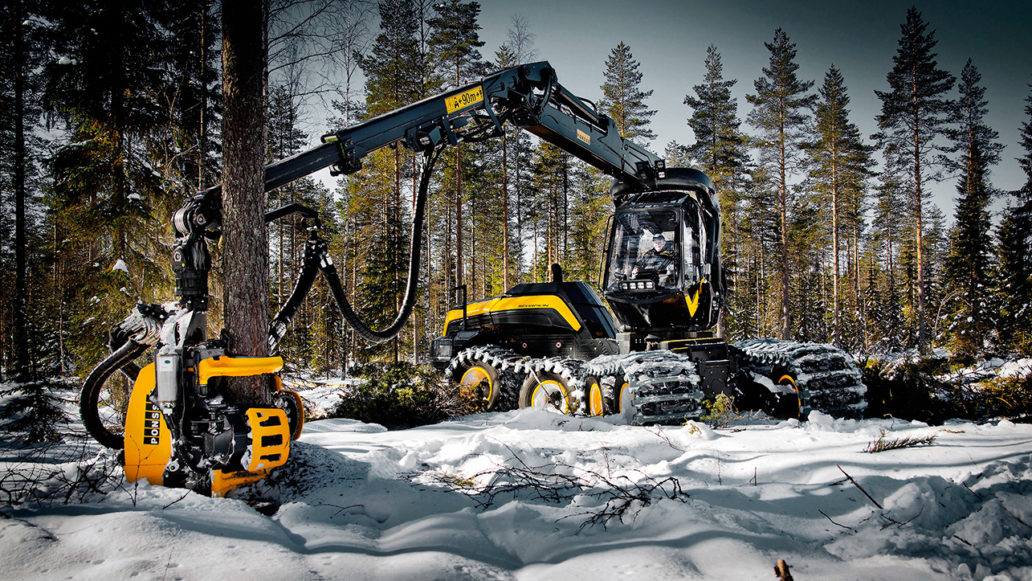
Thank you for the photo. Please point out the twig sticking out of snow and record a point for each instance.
(850, 529)
(861, 488)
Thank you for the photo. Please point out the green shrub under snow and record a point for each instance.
(934, 389)
(398, 395)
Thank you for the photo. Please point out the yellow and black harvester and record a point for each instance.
(556, 340)
(656, 360)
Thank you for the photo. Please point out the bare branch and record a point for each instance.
(861, 488)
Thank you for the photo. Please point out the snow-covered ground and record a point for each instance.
(533, 495)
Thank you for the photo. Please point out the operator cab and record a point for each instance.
(663, 273)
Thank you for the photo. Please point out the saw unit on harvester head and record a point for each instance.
(553, 345)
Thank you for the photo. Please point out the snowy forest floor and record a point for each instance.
(530, 494)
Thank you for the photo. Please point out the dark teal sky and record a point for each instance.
(669, 39)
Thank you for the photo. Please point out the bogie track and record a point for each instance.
(662, 386)
(823, 377)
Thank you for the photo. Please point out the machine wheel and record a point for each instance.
(622, 400)
(547, 390)
(104, 397)
(823, 377)
(478, 385)
(594, 396)
(788, 405)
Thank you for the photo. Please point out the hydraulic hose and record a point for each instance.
(120, 359)
(314, 249)
(330, 272)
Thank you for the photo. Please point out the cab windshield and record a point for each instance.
(645, 251)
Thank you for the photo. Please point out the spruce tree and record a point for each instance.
(915, 111)
(394, 71)
(622, 97)
(721, 150)
(779, 112)
(102, 83)
(839, 171)
(971, 254)
(29, 409)
(1014, 254)
(719, 143)
(20, 56)
(194, 63)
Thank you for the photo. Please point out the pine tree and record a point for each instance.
(245, 237)
(1014, 254)
(840, 164)
(622, 97)
(914, 112)
(288, 236)
(779, 113)
(970, 257)
(752, 308)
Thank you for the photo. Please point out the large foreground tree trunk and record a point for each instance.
(245, 236)
(21, 289)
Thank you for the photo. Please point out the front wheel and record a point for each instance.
(594, 396)
(478, 386)
(546, 390)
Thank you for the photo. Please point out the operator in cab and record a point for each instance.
(658, 259)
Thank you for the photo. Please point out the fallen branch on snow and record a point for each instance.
(860, 488)
(556, 483)
(882, 444)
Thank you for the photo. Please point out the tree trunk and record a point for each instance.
(505, 212)
(786, 321)
(245, 235)
(922, 336)
(836, 332)
(21, 292)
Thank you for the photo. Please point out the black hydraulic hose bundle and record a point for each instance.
(330, 272)
(317, 258)
(119, 359)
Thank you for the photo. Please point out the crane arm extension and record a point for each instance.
(528, 95)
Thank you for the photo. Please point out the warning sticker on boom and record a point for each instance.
(464, 99)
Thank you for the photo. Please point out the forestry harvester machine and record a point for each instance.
(545, 344)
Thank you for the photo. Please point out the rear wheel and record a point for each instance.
(594, 396)
(546, 390)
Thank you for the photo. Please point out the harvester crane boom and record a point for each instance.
(528, 96)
